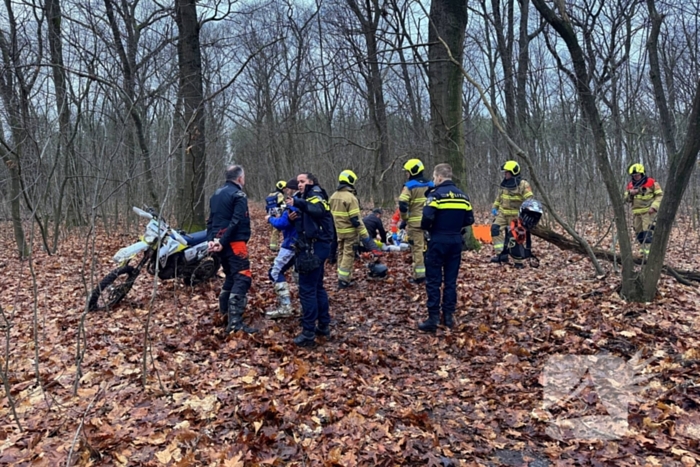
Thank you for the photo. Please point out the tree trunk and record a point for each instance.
(564, 243)
(190, 71)
(128, 66)
(74, 197)
(369, 20)
(682, 164)
(448, 22)
(588, 104)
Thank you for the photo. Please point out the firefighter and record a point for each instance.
(645, 194)
(446, 215)
(274, 204)
(518, 241)
(513, 191)
(394, 226)
(345, 209)
(411, 202)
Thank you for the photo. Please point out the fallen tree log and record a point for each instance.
(565, 243)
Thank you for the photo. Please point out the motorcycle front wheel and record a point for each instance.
(112, 288)
(205, 270)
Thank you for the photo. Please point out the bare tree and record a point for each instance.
(190, 63)
(448, 21)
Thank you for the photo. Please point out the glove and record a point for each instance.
(402, 225)
(395, 238)
(494, 211)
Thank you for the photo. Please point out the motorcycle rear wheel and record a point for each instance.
(112, 288)
(204, 271)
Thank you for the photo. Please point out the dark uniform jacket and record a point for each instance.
(315, 222)
(447, 211)
(374, 225)
(229, 219)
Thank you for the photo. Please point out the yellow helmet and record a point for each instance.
(348, 176)
(512, 167)
(414, 166)
(636, 169)
(281, 185)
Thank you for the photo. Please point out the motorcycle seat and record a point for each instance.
(195, 238)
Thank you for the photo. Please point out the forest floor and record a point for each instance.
(377, 393)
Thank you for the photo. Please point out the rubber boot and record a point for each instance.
(305, 339)
(431, 324)
(236, 306)
(285, 309)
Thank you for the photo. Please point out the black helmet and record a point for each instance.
(530, 213)
(377, 270)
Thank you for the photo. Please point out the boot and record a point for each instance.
(429, 325)
(223, 305)
(500, 259)
(343, 284)
(285, 308)
(236, 306)
(417, 280)
(323, 331)
(449, 320)
(224, 297)
(305, 339)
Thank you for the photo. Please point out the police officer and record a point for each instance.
(274, 203)
(228, 232)
(314, 226)
(513, 191)
(645, 194)
(446, 215)
(345, 209)
(411, 202)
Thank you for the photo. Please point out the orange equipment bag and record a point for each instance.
(482, 233)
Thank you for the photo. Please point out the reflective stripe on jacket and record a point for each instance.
(345, 209)
(509, 200)
(447, 211)
(649, 196)
(412, 200)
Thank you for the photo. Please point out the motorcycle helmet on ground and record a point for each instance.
(636, 169)
(348, 176)
(414, 166)
(512, 167)
(530, 213)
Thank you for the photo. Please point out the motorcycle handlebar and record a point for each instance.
(143, 213)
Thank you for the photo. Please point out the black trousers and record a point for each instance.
(441, 269)
(236, 264)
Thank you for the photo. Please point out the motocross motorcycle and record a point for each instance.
(171, 253)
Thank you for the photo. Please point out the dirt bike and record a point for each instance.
(169, 252)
